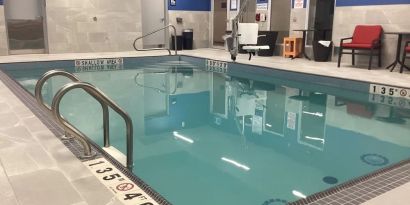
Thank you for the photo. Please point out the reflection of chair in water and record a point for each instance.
(360, 109)
(393, 117)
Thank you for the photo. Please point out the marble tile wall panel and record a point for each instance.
(197, 20)
(297, 21)
(3, 34)
(92, 25)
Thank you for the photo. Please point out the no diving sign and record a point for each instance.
(124, 187)
(119, 184)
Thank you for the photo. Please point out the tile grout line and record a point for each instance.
(8, 181)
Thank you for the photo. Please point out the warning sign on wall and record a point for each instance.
(299, 4)
(262, 5)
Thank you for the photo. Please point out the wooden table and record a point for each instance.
(398, 51)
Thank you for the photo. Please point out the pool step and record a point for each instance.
(119, 156)
(175, 63)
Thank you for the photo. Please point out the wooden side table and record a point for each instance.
(292, 47)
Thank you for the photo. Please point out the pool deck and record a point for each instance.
(37, 168)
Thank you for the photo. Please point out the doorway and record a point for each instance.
(220, 22)
(25, 22)
(154, 16)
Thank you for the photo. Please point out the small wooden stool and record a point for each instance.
(292, 47)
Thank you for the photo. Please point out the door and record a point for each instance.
(153, 17)
(25, 21)
(220, 19)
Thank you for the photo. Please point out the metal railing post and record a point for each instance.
(105, 103)
(70, 129)
(155, 31)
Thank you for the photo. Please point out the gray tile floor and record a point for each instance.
(36, 168)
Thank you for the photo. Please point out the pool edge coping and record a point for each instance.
(308, 200)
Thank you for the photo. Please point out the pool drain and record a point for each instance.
(330, 180)
(275, 202)
(374, 159)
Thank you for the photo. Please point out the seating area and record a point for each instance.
(366, 40)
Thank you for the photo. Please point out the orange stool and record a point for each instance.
(292, 47)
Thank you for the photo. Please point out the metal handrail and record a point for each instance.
(46, 76)
(38, 92)
(154, 88)
(155, 31)
(105, 102)
(39, 97)
(235, 35)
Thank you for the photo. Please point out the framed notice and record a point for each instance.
(234, 5)
(262, 5)
(299, 4)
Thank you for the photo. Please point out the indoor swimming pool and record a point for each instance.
(209, 132)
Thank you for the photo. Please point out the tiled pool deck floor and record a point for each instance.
(36, 168)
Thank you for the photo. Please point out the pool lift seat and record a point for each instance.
(245, 34)
(248, 37)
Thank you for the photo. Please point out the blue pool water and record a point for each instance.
(241, 138)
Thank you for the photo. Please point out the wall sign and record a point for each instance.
(299, 4)
(262, 5)
(120, 185)
(234, 5)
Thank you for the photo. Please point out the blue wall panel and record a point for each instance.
(191, 5)
(1, 2)
(369, 2)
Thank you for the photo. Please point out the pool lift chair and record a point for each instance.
(244, 34)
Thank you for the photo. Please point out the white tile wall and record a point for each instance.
(92, 25)
(197, 20)
(3, 34)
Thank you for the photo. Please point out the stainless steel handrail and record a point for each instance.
(157, 89)
(155, 31)
(46, 76)
(38, 92)
(235, 35)
(105, 102)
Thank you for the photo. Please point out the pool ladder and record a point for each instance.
(70, 130)
(156, 31)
